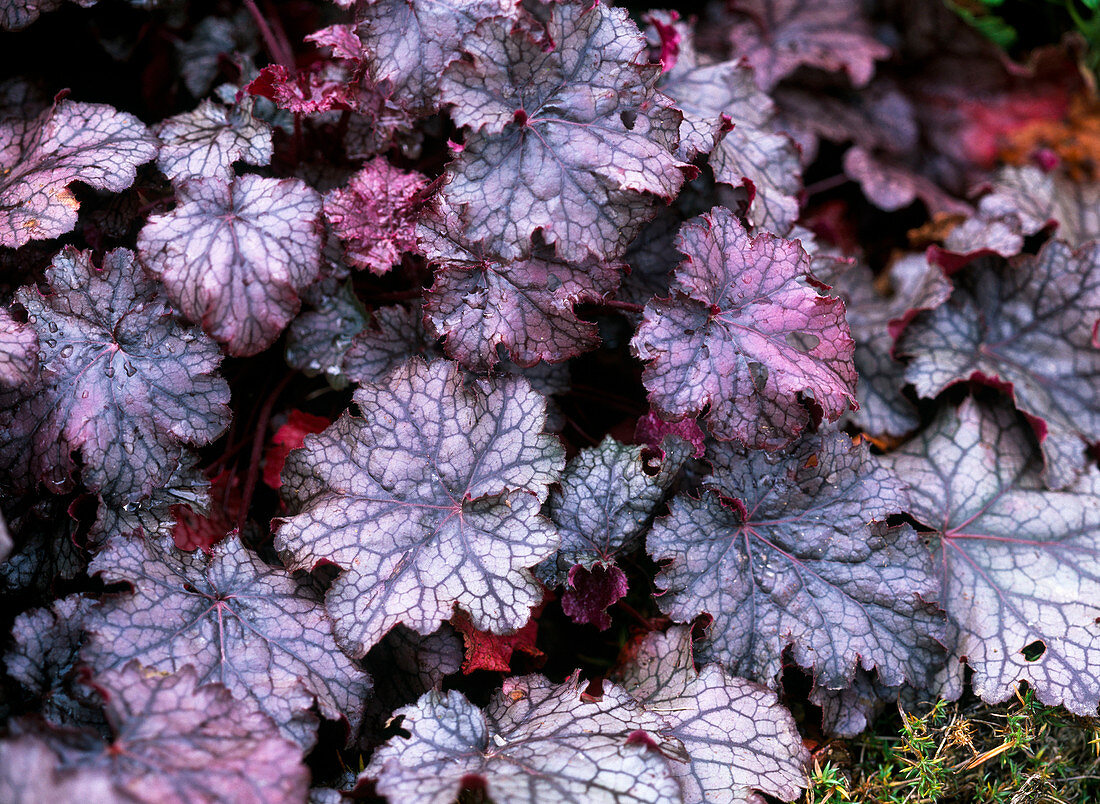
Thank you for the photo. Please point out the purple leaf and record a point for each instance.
(790, 550)
(849, 712)
(915, 285)
(6, 543)
(394, 334)
(18, 352)
(428, 501)
(156, 516)
(31, 773)
(604, 502)
(754, 152)
(480, 301)
(747, 333)
(205, 142)
(778, 36)
(408, 43)
(1021, 202)
(535, 742)
(375, 215)
(590, 592)
(44, 550)
(1029, 328)
(234, 256)
(571, 141)
(892, 185)
(318, 340)
(1020, 565)
(232, 618)
(173, 740)
(123, 382)
(740, 739)
(41, 156)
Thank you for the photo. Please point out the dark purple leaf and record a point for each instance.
(535, 742)
(6, 544)
(747, 333)
(1020, 564)
(318, 340)
(394, 334)
(41, 156)
(428, 501)
(915, 284)
(589, 592)
(156, 516)
(791, 550)
(570, 141)
(408, 43)
(173, 740)
(480, 301)
(213, 40)
(1027, 327)
(405, 665)
(123, 382)
(205, 142)
(44, 550)
(1023, 201)
(232, 618)
(849, 712)
(741, 741)
(18, 352)
(234, 256)
(754, 152)
(604, 502)
(375, 214)
(31, 773)
(778, 36)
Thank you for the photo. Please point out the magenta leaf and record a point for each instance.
(1020, 564)
(174, 740)
(123, 383)
(747, 333)
(604, 502)
(234, 256)
(754, 153)
(428, 501)
(741, 741)
(205, 142)
(375, 214)
(791, 550)
(480, 301)
(568, 136)
(778, 36)
(235, 620)
(41, 156)
(1028, 327)
(1021, 202)
(535, 742)
(408, 43)
(18, 352)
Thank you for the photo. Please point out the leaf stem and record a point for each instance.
(258, 447)
(279, 51)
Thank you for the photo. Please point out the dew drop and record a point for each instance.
(67, 351)
(51, 342)
(83, 394)
(129, 367)
(53, 327)
(109, 370)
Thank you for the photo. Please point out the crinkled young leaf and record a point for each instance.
(31, 773)
(375, 214)
(740, 739)
(1027, 327)
(205, 142)
(41, 156)
(535, 742)
(234, 256)
(480, 301)
(1024, 200)
(173, 740)
(747, 333)
(232, 618)
(124, 383)
(589, 593)
(408, 43)
(915, 284)
(428, 501)
(493, 652)
(571, 141)
(778, 36)
(790, 549)
(1020, 565)
(754, 153)
(18, 352)
(604, 502)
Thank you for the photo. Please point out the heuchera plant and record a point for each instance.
(537, 401)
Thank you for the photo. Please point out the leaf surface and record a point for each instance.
(205, 142)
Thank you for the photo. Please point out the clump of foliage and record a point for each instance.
(522, 401)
